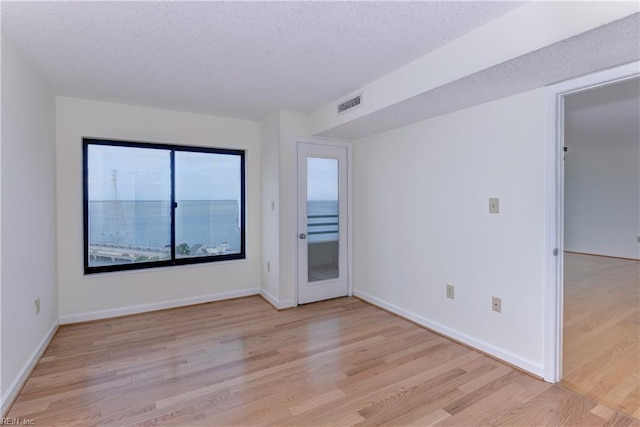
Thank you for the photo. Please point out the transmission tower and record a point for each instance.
(114, 230)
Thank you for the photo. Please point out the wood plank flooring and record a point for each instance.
(602, 330)
(239, 362)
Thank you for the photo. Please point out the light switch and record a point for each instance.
(494, 205)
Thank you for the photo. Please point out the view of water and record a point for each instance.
(208, 222)
(328, 209)
(148, 224)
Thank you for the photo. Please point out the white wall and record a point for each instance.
(280, 133)
(602, 203)
(270, 180)
(101, 295)
(421, 221)
(28, 219)
(293, 126)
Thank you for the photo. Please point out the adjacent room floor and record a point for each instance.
(602, 330)
(239, 362)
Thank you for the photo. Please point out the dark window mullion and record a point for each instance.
(173, 205)
(242, 206)
(85, 202)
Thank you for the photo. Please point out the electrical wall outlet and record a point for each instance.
(451, 292)
(37, 302)
(496, 304)
(494, 205)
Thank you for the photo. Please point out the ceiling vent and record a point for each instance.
(350, 104)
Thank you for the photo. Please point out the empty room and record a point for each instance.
(320, 213)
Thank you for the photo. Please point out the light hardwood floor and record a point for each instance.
(602, 330)
(341, 362)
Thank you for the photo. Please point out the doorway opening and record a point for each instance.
(554, 206)
(601, 257)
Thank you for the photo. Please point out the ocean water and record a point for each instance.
(146, 224)
(329, 210)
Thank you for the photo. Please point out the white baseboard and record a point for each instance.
(25, 372)
(143, 308)
(506, 356)
(278, 305)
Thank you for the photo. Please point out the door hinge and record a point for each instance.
(555, 252)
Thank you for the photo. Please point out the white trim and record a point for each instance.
(278, 305)
(143, 308)
(270, 299)
(325, 141)
(554, 209)
(349, 221)
(506, 356)
(27, 368)
(553, 245)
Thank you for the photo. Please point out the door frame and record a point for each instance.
(554, 205)
(349, 234)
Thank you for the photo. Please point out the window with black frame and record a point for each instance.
(150, 205)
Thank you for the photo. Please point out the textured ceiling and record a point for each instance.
(604, 118)
(613, 44)
(234, 59)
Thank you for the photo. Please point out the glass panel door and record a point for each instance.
(322, 222)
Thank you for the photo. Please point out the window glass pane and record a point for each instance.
(322, 219)
(208, 193)
(129, 209)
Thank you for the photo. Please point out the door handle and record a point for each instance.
(302, 236)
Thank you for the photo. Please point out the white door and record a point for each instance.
(322, 222)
